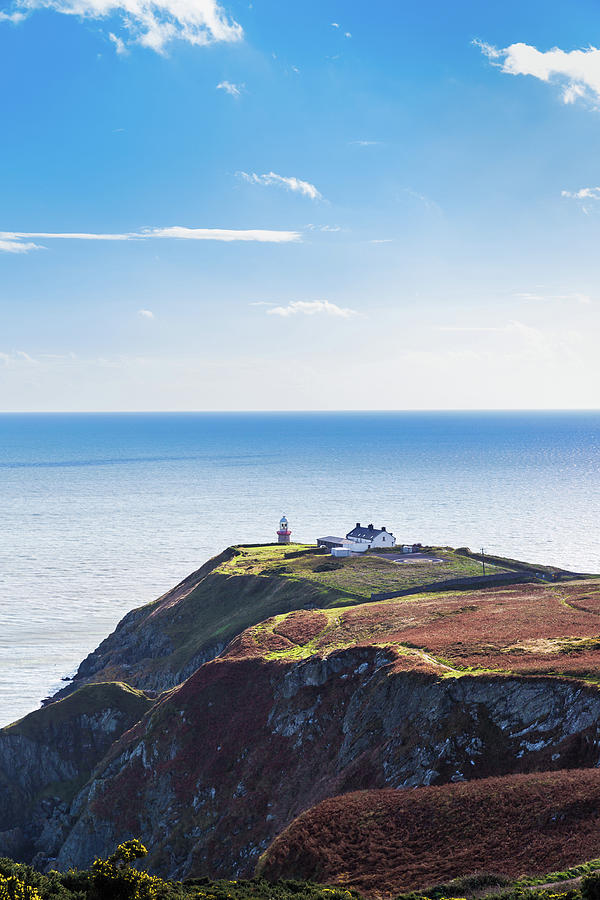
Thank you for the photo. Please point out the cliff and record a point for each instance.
(46, 758)
(317, 695)
(162, 643)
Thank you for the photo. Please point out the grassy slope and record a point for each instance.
(238, 589)
(527, 629)
(384, 842)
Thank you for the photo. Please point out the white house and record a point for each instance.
(358, 540)
(370, 537)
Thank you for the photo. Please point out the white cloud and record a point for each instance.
(20, 241)
(578, 71)
(118, 42)
(290, 183)
(583, 194)
(312, 308)
(16, 246)
(150, 23)
(347, 34)
(14, 17)
(364, 143)
(235, 90)
(326, 228)
(335, 24)
(146, 313)
(381, 240)
(223, 234)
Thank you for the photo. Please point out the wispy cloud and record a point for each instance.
(10, 245)
(338, 26)
(327, 228)
(426, 201)
(16, 357)
(577, 71)
(21, 241)
(234, 90)
(574, 297)
(312, 308)
(149, 23)
(289, 182)
(146, 313)
(119, 43)
(14, 17)
(583, 194)
(523, 340)
(364, 143)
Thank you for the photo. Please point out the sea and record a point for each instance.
(100, 513)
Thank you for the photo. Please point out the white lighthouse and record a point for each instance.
(283, 535)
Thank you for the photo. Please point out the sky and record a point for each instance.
(279, 205)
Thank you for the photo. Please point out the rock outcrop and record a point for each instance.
(225, 762)
(159, 645)
(46, 757)
(315, 695)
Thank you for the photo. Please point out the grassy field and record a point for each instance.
(358, 576)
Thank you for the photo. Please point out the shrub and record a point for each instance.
(590, 887)
(13, 888)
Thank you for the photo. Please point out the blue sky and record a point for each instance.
(281, 205)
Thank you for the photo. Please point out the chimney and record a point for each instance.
(383, 527)
(370, 526)
(358, 524)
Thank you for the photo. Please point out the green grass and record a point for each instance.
(356, 576)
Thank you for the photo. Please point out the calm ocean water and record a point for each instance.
(101, 513)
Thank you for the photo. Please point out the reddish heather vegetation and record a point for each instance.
(382, 842)
(525, 629)
(302, 626)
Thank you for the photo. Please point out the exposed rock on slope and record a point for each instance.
(227, 760)
(385, 842)
(46, 757)
(325, 699)
(161, 644)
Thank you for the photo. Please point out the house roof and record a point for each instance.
(332, 540)
(365, 533)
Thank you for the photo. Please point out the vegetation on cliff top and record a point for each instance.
(527, 629)
(158, 645)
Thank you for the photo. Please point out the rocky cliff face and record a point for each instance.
(46, 757)
(229, 759)
(305, 705)
(161, 644)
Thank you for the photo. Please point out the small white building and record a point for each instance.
(370, 538)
